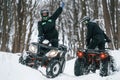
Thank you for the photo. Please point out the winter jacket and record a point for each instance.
(95, 33)
(47, 28)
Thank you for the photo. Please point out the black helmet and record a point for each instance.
(86, 18)
(44, 11)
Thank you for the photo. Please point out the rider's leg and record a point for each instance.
(93, 44)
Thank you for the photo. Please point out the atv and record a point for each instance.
(44, 55)
(91, 60)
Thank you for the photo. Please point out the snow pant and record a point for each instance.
(53, 38)
(54, 42)
(96, 43)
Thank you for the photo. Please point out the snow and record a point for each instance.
(11, 69)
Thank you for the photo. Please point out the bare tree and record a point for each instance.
(107, 20)
(14, 18)
(4, 26)
(95, 9)
(17, 19)
(117, 22)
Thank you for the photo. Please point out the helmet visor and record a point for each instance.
(85, 19)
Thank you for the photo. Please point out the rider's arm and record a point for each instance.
(57, 13)
(40, 31)
(89, 34)
(106, 37)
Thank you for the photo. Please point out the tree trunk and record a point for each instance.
(108, 25)
(83, 30)
(5, 27)
(114, 29)
(118, 24)
(95, 9)
(14, 46)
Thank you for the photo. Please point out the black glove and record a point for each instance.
(40, 39)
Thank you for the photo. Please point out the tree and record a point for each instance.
(14, 18)
(17, 19)
(117, 23)
(107, 20)
(5, 27)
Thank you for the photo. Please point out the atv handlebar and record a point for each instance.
(62, 48)
(49, 47)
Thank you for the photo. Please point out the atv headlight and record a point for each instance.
(45, 42)
(33, 48)
(52, 53)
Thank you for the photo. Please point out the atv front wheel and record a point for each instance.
(22, 61)
(53, 69)
(63, 62)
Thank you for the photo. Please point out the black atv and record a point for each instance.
(44, 55)
(91, 60)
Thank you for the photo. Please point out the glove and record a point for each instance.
(62, 4)
(40, 39)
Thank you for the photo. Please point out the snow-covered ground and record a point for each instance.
(10, 69)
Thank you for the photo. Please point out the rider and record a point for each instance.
(46, 26)
(95, 36)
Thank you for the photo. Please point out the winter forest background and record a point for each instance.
(18, 21)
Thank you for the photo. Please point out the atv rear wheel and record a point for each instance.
(93, 67)
(53, 69)
(79, 67)
(104, 67)
(21, 60)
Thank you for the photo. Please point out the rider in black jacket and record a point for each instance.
(46, 26)
(95, 36)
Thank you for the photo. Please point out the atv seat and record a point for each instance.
(94, 51)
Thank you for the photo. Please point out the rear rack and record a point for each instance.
(93, 50)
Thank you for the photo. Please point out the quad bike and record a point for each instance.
(91, 60)
(44, 55)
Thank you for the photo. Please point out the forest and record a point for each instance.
(17, 19)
